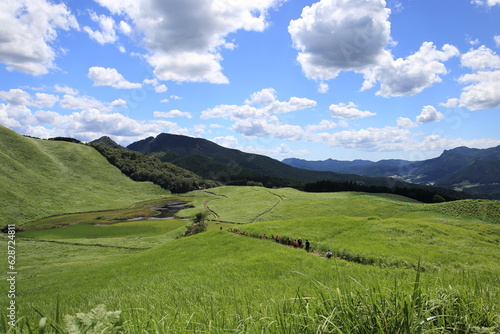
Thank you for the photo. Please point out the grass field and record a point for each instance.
(41, 178)
(399, 267)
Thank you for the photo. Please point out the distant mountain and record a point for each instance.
(476, 171)
(232, 166)
(108, 142)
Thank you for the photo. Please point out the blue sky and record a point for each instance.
(341, 79)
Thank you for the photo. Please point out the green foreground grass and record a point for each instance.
(41, 178)
(400, 267)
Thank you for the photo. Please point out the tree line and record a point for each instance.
(140, 167)
(426, 195)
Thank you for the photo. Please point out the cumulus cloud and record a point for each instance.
(482, 58)
(262, 127)
(261, 104)
(336, 35)
(159, 88)
(172, 114)
(325, 124)
(371, 139)
(110, 77)
(226, 141)
(348, 111)
(66, 90)
(340, 35)
(405, 123)
(86, 125)
(482, 90)
(28, 33)
(107, 33)
(323, 88)
(497, 40)
(429, 114)
(410, 76)
(19, 97)
(185, 37)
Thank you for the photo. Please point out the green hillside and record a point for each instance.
(399, 266)
(40, 178)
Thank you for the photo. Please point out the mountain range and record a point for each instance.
(234, 167)
(476, 171)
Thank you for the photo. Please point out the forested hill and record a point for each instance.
(232, 166)
(141, 167)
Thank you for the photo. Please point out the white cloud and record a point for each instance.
(483, 93)
(125, 28)
(261, 127)
(185, 38)
(110, 77)
(482, 58)
(159, 88)
(118, 103)
(107, 25)
(410, 76)
(43, 100)
(66, 90)
(172, 114)
(348, 111)
(371, 139)
(325, 124)
(489, 3)
(85, 125)
(281, 151)
(406, 123)
(188, 66)
(451, 103)
(28, 34)
(337, 35)
(429, 114)
(265, 96)
(483, 90)
(227, 141)
(323, 88)
(497, 40)
(19, 97)
(80, 102)
(267, 105)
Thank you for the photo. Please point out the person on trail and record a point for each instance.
(295, 244)
(299, 242)
(277, 238)
(329, 254)
(308, 245)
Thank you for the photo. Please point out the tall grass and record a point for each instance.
(41, 178)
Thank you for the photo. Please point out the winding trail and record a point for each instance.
(278, 202)
(207, 208)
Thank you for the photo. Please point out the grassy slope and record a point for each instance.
(41, 178)
(219, 282)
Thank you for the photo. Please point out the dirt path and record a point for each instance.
(278, 202)
(207, 208)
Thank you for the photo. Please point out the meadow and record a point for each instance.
(399, 266)
(41, 178)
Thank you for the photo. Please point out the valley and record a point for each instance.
(397, 262)
(93, 255)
